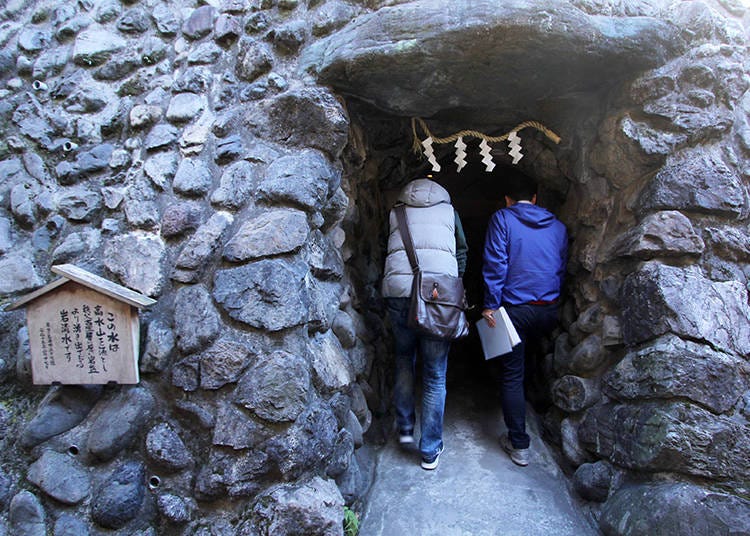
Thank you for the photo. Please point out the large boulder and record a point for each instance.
(667, 508)
(268, 294)
(138, 259)
(305, 179)
(312, 507)
(307, 117)
(697, 180)
(674, 368)
(669, 436)
(417, 57)
(659, 299)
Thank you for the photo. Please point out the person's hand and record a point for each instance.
(488, 315)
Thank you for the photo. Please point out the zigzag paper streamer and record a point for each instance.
(514, 142)
(430, 154)
(486, 156)
(460, 159)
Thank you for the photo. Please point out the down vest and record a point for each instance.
(432, 224)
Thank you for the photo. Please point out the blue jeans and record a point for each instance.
(530, 321)
(434, 354)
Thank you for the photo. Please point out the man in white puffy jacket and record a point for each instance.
(440, 248)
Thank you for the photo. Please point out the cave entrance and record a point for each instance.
(382, 153)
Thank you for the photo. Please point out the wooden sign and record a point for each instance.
(83, 330)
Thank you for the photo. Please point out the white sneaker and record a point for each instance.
(405, 438)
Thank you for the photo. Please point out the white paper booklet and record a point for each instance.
(498, 340)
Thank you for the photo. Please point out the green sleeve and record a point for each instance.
(461, 247)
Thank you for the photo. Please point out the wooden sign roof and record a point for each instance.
(71, 272)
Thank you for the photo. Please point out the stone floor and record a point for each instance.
(476, 490)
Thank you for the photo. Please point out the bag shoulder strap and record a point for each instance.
(403, 226)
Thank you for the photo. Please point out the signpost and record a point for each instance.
(83, 329)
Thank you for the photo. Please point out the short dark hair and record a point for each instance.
(520, 187)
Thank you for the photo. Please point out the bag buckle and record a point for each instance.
(435, 293)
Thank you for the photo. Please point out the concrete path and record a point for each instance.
(476, 490)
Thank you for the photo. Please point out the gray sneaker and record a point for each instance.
(431, 463)
(518, 456)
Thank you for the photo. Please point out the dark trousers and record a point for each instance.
(531, 321)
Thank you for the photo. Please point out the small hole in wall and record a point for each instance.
(154, 482)
(73, 450)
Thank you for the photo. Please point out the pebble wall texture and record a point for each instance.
(216, 156)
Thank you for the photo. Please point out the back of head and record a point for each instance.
(519, 187)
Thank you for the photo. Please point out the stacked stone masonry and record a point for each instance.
(205, 154)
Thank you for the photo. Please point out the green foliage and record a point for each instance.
(351, 522)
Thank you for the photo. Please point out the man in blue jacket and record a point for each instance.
(525, 255)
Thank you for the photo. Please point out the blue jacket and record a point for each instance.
(525, 254)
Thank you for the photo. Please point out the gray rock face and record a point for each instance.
(672, 436)
(196, 319)
(592, 481)
(143, 115)
(60, 477)
(67, 525)
(237, 184)
(698, 181)
(402, 47)
(276, 387)
(304, 180)
(729, 243)
(62, 409)
(271, 233)
(238, 429)
(118, 500)
(165, 448)
(138, 260)
(199, 23)
(199, 250)
(161, 136)
(116, 427)
(572, 394)
(309, 117)
(673, 368)
(310, 507)
(674, 508)
(160, 345)
(222, 363)
(267, 294)
(253, 60)
(664, 234)
(180, 218)
(331, 366)
(658, 299)
(26, 515)
(95, 45)
(79, 204)
(309, 443)
(19, 275)
(167, 21)
(174, 508)
(235, 474)
(185, 107)
(193, 177)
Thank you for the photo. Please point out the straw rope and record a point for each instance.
(475, 133)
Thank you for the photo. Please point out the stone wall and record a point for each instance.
(174, 147)
(195, 152)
